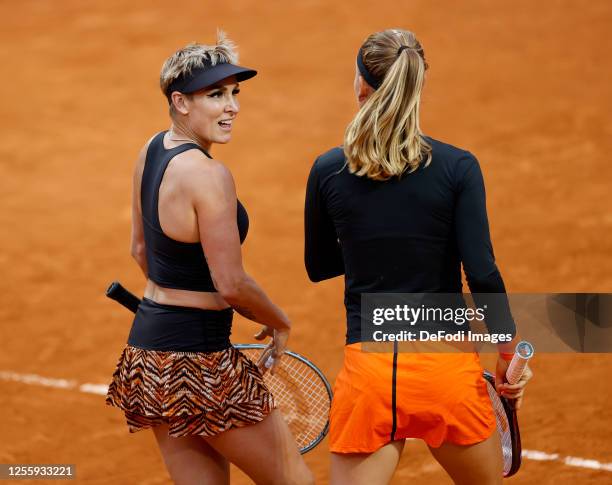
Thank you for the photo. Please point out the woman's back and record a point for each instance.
(398, 212)
(407, 234)
(175, 261)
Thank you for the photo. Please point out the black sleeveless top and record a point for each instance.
(171, 263)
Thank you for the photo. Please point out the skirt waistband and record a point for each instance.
(181, 329)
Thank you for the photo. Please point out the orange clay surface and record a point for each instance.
(523, 85)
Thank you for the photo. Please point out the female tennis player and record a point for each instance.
(398, 212)
(179, 374)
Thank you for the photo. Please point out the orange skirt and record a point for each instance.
(436, 397)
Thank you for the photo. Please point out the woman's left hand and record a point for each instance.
(272, 354)
(264, 332)
(265, 356)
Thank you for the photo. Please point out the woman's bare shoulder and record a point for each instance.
(204, 174)
(142, 156)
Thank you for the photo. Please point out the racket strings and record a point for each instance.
(300, 394)
(503, 426)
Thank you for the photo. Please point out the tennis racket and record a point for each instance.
(505, 413)
(301, 391)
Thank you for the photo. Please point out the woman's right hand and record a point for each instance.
(272, 354)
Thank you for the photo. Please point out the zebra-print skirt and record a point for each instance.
(195, 393)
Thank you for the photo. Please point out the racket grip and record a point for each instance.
(524, 351)
(269, 362)
(118, 293)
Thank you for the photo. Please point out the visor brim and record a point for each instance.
(211, 75)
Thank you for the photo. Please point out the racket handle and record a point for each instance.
(118, 293)
(269, 362)
(524, 351)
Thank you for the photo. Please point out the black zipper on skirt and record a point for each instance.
(394, 392)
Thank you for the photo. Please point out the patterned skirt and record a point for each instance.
(195, 393)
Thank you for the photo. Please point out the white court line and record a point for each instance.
(37, 380)
(539, 455)
(100, 389)
(584, 463)
(568, 460)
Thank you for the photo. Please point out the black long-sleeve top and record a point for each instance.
(404, 235)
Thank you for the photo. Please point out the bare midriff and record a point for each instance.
(204, 300)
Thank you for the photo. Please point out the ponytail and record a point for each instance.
(384, 139)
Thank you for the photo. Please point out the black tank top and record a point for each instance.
(171, 263)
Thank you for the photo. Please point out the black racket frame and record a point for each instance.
(515, 433)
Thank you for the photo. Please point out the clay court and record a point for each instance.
(523, 85)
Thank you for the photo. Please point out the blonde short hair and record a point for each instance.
(194, 56)
(384, 138)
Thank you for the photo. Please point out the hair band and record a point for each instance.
(367, 75)
(401, 48)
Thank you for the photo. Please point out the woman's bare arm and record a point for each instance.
(137, 241)
(211, 186)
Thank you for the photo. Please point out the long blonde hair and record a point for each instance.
(384, 139)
